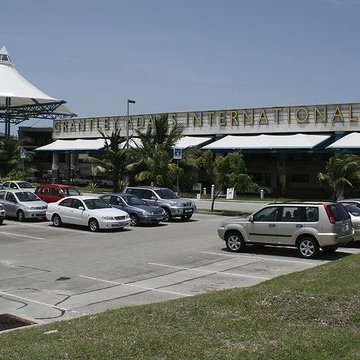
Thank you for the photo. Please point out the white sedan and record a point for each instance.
(87, 211)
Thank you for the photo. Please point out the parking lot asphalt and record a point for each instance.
(49, 274)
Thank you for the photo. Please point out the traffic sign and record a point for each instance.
(177, 154)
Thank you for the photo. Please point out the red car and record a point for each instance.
(54, 192)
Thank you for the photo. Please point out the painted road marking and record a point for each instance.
(134, 286)
(256, 257)
(210, 271)
(20, 236)
(38, 302)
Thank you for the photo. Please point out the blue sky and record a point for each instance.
(185, 55)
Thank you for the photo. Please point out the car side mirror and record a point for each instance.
(81, 208)
(251, 218)
(153, 198)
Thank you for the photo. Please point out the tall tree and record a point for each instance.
(342, 172)
(188, 169)
(10, 158)
(113, 160)
(160, 133)
(152, 160)
(226, 171)
(156, 167)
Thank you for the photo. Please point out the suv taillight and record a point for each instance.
(330, 214)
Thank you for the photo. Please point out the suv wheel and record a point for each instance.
(234, 241)
(308, 247)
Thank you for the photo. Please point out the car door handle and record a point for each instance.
(298, 225)
(271, 225)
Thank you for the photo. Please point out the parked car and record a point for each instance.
(138, 210)
(89, 211)
(2, 213)
(353, 208)
(22, 204)
(14, 185)
(105, 182)
(165, 198)
(307, 226)
(84, 180)
(32, 179)
(54, 192)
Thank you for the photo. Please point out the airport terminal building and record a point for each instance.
(284, 146)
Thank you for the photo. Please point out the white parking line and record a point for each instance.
(262, 258)
(38, 302)
(48, 225)
(21, 236)
(134, 286)
(210, 271)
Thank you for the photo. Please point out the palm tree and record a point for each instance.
(342, 172)
(113, 160)
(155, 167)
(188, 169)
(160, 133)
(152, 161)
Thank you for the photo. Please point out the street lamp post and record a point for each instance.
(127, 121)
(127, 133)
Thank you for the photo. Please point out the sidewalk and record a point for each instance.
(230, 205)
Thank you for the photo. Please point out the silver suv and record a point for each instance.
(165, 198)
(307, 226)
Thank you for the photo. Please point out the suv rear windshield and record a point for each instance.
(339, 212)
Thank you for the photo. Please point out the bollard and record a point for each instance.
(262, 193)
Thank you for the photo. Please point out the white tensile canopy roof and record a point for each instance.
(97, 144)
(349, 141)
(261, 142)
(74, 145)
(183, 143)
(190, 141)
(20, 100)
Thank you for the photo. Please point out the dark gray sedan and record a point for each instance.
(139, 211)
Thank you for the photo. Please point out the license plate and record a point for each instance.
(159, 218)
(188, 210)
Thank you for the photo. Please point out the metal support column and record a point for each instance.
(7, 117)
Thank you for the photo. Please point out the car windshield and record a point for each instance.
(133, 200)
(166, 194)
(353, 210)
(93, 204)
(26, 196)
(25, 185)
(71, 191)
(339, 212)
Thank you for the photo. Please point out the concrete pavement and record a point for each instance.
(230, 205)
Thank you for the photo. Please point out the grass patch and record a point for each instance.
(313, 314)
